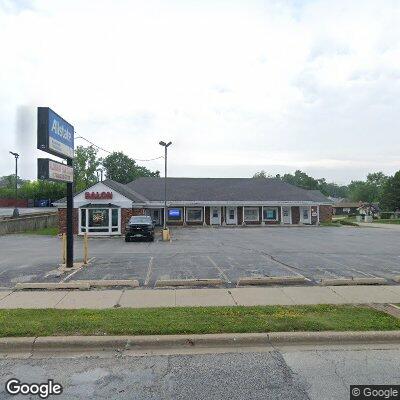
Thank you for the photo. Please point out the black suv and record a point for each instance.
(140, 227)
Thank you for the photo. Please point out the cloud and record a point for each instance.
(280, 84)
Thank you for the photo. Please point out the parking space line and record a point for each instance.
(149, 271)
(282, 264)
(219, 269)
(70, 275)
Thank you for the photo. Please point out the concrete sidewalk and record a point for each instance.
(138, 298)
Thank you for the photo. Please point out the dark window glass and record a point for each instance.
(114, 216)
(83, 216)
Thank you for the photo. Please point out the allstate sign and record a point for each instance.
(55, 135)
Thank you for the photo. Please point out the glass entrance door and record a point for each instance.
(231, 215)
(215, 213)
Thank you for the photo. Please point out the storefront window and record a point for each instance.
(99, 220)
(194, 214)
(114, 220)
(270, 214)
(251, 214)
(174, 214)
(83, 219)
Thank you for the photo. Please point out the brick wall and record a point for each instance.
(20, 203)
(295, 215)
(207, 216)
(62, 220)
(325, 213)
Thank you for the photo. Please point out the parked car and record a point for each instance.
(140, 227)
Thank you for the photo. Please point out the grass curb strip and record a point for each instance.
(166, 342)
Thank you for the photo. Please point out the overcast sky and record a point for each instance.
(237, 86)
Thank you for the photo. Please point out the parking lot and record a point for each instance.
(199, 253)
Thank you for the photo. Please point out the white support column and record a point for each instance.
(204, 216)
(184, 215)
(281, 215)
(318, 214)
(262, 215)
(223, 215)
(243, 223)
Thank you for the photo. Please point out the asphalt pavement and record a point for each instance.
(225, 253)
(293, 373)
(8, 211)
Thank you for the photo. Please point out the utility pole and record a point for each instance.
(166, 145)
(16, 212)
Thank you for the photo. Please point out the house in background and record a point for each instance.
(346, 207)
(105, 208)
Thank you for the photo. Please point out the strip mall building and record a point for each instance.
(105, 208)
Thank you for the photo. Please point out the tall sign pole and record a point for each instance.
(56, 136)
(70, 226)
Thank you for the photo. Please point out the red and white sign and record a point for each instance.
(98, 195)
(60, 172)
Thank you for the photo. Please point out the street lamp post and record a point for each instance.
(166, 145)
(16, 212)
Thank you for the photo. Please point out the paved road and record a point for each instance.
(7, 211)
(227, 253)
(294, 374)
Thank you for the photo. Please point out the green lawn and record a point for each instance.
(333, 223)
(387, 221)
(190, 320)
(50, 231)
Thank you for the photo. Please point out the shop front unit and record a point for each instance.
(105, 208)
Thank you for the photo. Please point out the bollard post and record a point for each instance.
(64, 248)
(85, 248)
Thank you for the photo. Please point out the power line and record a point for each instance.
(110, 152)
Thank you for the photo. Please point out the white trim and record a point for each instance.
(251, 208)
(230, 203)
(197, 209)
(269, 220)
(318, 214)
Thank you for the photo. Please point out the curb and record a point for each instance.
(188, 282)
(355, 281)
(108, 282)
(52, 286)
(271, 280)
(168, 342)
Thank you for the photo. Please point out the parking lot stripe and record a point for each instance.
(149, 270)
(219, 269)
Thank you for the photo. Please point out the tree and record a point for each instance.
(390, 199)
(123, 169)
(8, 181)
(369, 191)
(362, 191)
(301, 179)
(262, 174)
(85, 165)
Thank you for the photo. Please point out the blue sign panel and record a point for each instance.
(55, 135)
(174, 213)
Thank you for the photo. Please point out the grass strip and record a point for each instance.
(387, 221)
(50, 231)
(191, 320)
